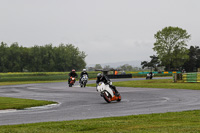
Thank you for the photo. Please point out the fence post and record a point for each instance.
(175, 77)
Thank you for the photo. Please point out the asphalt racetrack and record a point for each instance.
(84, 103)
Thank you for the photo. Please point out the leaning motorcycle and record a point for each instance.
(72, 81)
(107, 93)
(84, 80)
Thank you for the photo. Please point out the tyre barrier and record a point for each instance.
(191, 77)
(119, 76)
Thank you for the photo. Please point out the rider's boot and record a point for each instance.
(114, 88)
(117, 93)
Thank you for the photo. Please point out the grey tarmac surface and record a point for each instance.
(77, 103)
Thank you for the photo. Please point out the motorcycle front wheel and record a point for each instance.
(81, 85)
(84, 84)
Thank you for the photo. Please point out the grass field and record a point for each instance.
(175, 122)
(18, 103)
(29, 82)
(38, 76)
(156, 83)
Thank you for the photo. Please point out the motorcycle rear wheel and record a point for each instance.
(119, 99)
(107, 98)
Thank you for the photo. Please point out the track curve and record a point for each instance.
(85, 103)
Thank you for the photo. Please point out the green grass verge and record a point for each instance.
(38, 76)
(156, 83)
(29, 82)
(18, 103)
(175, 122)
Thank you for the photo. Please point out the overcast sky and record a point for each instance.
(107, 30)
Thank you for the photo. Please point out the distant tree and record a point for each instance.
(14, 58)
(153, 64)
(76, 57)
(4, 57)
(98, 66)
(48, 57)
(106, 67)
(91, 69)
(126, 67)
(25, 58)
(62, 58)
(137, 69)
(198, 58)
(40, 58)
(68, 57)
(145, 64)
(194, 59)
(35, 60)
(171, 45)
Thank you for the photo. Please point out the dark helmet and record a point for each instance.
(99, 75)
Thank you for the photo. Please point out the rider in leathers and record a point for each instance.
(72, 74)
(104, 78)
(83, 73)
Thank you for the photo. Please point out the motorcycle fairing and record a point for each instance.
(102, 87)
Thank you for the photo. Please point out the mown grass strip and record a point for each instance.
(34, 82)
(176, 122)
(18, 103)
(30, 82)
(38, 76)
(156, 83)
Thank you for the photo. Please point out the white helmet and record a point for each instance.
(84, 70)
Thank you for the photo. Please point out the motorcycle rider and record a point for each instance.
(72, 74)
(104, 78)
(151, 75)
(83, 73)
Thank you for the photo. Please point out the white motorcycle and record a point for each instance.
(107, 93)
(84, 80)
(149, 76)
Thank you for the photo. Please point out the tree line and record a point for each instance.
(125, 67)
(172, 53)
(65, 57)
